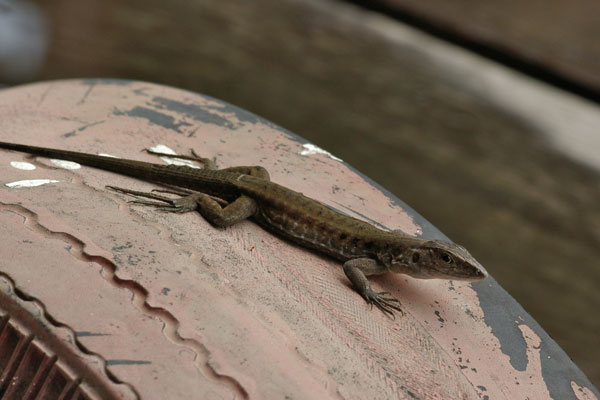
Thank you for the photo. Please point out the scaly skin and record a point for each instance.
(364, 249)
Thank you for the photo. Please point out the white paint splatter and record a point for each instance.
(161, 148)
(65, 164)
(22, 165)
(30, 183)
(310, 149)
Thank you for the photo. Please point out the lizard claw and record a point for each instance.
(386, 304)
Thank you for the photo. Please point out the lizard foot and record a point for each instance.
(166, 204)
(184, 193)
(385, 303)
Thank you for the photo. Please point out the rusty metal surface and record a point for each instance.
(178, 309)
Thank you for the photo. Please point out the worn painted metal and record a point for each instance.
(178, 309)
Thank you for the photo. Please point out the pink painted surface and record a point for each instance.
(179, 309)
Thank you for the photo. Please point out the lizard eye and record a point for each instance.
(446, 258)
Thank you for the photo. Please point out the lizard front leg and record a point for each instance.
(356, 271)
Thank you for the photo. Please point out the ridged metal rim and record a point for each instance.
(41, 358)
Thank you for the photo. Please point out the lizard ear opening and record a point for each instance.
(415, 257)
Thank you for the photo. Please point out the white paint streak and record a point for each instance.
(310, 149)
(22, 165)
(65, 164)
(161, 148)
(107, 155)
(30, 183)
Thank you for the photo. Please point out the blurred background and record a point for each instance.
(511, 175)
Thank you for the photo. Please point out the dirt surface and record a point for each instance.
(482, 175)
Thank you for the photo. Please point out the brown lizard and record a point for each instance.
(247, 192)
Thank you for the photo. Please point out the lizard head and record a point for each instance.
(438, 259)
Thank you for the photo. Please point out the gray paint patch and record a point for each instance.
(196, 112)
(493, 301)
(500, 313)
(241, 114)
(154, 117)
(106, 81)
(73, 133)
(202, 113)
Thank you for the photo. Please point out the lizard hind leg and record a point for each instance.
(182, 204)
(236, 211)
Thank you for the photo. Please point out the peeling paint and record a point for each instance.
(81, 129)
(25, 166)
(534, 364)
(30, 183)
(161, 148)
(200, 113)
(310, 149)
(154, 117)
(582, 392)
(502, 324)
(194, 111)
(65, 164)
(106, 81)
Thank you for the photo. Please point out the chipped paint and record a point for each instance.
(194, 111)
(84, 127)
(582, 392)
(154, 117)
(65, 164)
(25, 166)
(30, 183)
(310, 149)
(528, 378)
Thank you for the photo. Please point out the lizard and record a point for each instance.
(229, 195)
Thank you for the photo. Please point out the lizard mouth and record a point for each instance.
(472, 272)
